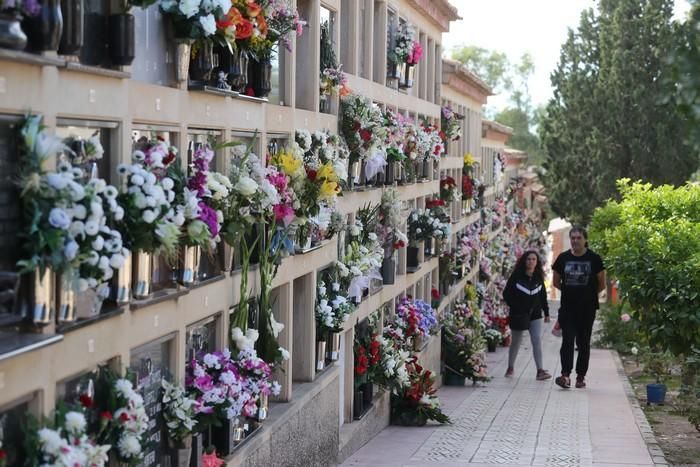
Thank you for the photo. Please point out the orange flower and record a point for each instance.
(262, 25)
(244, 29)
(254, 9)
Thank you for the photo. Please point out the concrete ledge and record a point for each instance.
(358, 433)
(302, 432)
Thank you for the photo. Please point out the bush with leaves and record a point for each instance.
(650, 241)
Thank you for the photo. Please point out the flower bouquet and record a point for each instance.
(67, 219)
(178, 413)
(119, 417)
(416, 404)
(403, 46)
(362, 127)
(416, 320)
(64, 442)
(333, 308)
(152, 219)
(448, 190)
(463, 343)
(199, 21)
(450, 124)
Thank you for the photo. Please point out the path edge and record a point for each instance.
(655, 451)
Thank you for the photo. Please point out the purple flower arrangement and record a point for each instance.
(227, 387)
(21, 7)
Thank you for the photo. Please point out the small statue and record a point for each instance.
(221, 81)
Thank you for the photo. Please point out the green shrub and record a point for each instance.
(617, 334)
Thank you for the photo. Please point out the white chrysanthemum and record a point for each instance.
(75, 423)
(50, 441)
(129, 446)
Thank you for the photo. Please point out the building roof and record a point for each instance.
(464, 81)
(495, 131)
(440, 12)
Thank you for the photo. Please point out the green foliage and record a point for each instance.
(615, 333)
(651, 243)
(606, 119)
(523, 138)
(490, 65)
(658, 364)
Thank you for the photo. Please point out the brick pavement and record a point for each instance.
(520, 421)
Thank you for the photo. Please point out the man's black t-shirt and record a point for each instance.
(579, 279)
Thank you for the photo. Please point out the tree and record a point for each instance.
(606, 119)
(491, 66)
(650, 241)
(495, 68)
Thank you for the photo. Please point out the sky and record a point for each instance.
(516, 27)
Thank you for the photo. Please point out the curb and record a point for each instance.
(655, 451)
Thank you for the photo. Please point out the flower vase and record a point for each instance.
(408, 418)
(454, 379)
(406, 81)
(334, 350)
(120, 291)
(324, 103)
(122, 39)
(142, 274)
(263, 407)
(197, 450)
(429, 247)
(417, 171)
(367, 394)
(228, 258)
(412, 261)
(222, 436)
(88, 304)
(181, 454)
(417, 342)
(11, 34)
(183, 50)
(389, 173)
(357, 404)
(201, 63)
(241, 78)
(388, 270)
(354, 173)
(261, 77)
(41, 306)
(73, 26)
(491, 345)
(191, 256)
(427, 169)
(320, 355)
(67, 298)
(44, 30)
(393, 70)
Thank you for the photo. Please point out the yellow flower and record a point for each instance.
(328, 190)
(290, 165)
(326, 172)
(468, 159)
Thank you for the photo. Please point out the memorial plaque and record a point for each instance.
(150, 364)
(11, 417)
(200, 338)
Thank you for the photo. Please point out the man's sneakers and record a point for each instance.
(563, 382)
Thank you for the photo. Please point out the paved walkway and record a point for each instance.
(520, 421)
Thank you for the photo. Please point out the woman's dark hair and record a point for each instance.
(519, 269)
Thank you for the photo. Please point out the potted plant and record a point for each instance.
(463, 345)
(658, 364)
(11, 13)
(73, 25)
(417, 403)
(493, 338)
(178, 413)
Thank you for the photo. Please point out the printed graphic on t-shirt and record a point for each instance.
(577, 273)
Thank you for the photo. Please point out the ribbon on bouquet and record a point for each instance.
(360, 283)
(375, 164)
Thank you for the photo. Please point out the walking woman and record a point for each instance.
(526, 297)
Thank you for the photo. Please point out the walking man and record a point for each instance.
(580, 275)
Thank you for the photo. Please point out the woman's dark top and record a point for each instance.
(526, 294)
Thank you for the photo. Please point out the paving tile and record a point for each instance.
(523, 422)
